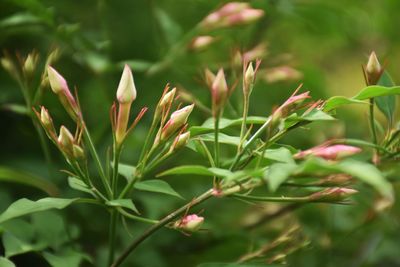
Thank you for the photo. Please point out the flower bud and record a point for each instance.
(126, 92)
(46, 120)
(66, 141)
(246, 16)
(60, 87)
(373, 69)
(219, 92)
(201, 42)
(248, 80)
(9, 66)
(180, 141)
(282, 73)
(190, 223)
(259, 51)
(332, 194)
(221, 17)
(165, 101)
(329, 152)
(30, 63)
(78, 152)
(176, 121)
(335, 180)
(291, 103)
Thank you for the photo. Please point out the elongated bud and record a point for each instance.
(335, 180)
(246, 16)
(248, 80)
(373, 69)
(176, 121)
(66, 140)
(78, 152)
(201, 42)
(126, 92)
(190, 223)
(180, 141)
(60, 87)
(9, 66)
(219, 92)
(165, 101)
(46, 120)
(332, 194)
(333, 152)
(282, 73)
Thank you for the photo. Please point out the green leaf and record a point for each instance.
(196, 169)
(222, 138)
(79, 185)
(208, 125)
(19, 177)
(25, 206)
(127, 171)
(16, 108)
(157, 186)
(15, 246)
(171, 30)
(317, 115)
(376, 90)
(281, 154)
(220, 264)
(64, 258)
(337, 101)
(278, 173)
(123, 203)
(386, 104)
(4, 262)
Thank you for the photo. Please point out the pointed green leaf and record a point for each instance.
(197, 170)
(4, 262)
(157, 186)
(79, 185)
(127, 171)
(278, 173)
(123, 203)
(386, 104)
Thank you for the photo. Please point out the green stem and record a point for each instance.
(371, 120)
(243, 128)
(136, 218)
(216, 141)
(97, 161)
(112, 236)
(150, 231)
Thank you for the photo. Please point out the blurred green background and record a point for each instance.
(327, 41)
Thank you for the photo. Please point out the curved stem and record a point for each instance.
(135, 243)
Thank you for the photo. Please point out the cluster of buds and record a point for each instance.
(219, 90)
(60, 87)
(333, 194)
(373, 70)
(68, 144)
(231, 14)
(329, 152)
(201, 42)
(189, 223)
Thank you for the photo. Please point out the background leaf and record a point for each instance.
(156, 186)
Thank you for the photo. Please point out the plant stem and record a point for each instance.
(135, 243)
(216, 141)
(371, 120)
(97, 161)
(136, 218)
(243, 128)
(112, 237)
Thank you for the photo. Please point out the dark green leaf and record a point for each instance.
(123, 203)
(278, 173)
(126, 171)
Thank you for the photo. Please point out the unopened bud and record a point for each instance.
(201, 42)
(335, 180)
(373, 69)
(291, 103)
(176, 121)
(219, 92)
(246, 16)
(332, 194)
(333, 152)
(78, 152)
(126, 92)
(30, 63)
(259, 51)
(248, 80)
(46, 120)
(9, 66)
(165, 101)
(60, 87)
(180, 141)
(282, 73)
(190, 223)
(66, 140)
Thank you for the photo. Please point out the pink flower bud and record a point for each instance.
(219, 93)
(291, 103)
(329, 152)
(190, 223)
(209, 77)
(176, 121)
(335, 180)
(60, 87)
(126, 92)
(332, 194)
(245, 16)
(201, 42)
(259, 51)
(46, 120)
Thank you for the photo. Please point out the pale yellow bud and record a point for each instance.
(176, 121)
(165, 101)
(126, 92)
(248, 79)
(78, 152)
(180, 141)
(57, 82)
(66, 140)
